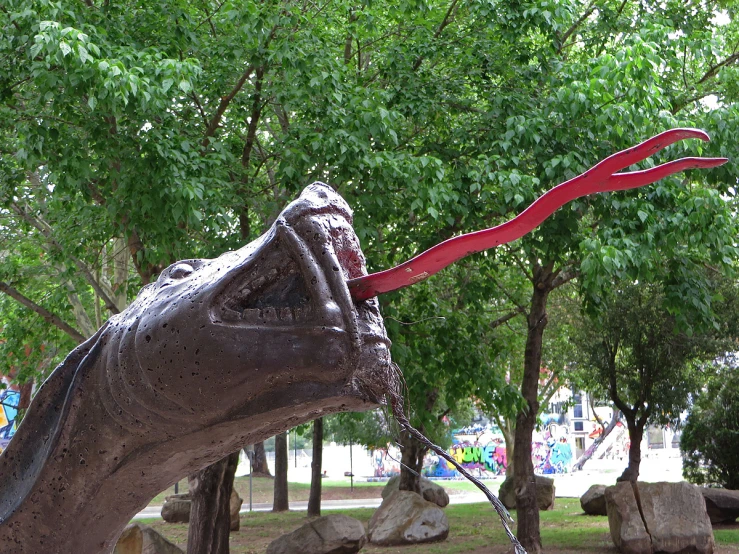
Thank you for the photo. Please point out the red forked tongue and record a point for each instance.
(600, 178)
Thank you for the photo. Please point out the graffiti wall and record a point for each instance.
(484, 454)
(385, 462)
(487, 457)
(552, 450)
(8, 410)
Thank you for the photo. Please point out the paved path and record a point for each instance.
(466, 498)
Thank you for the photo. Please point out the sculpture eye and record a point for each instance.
(180, 271)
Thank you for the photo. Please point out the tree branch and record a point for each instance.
(200, 108)
(564, 277)
(43, 312)
(547, 391)
(45, 230)
(713, 70)
(349, 38)
(680, 105)
(446, 21)
(256, 112)
(223, 104)
(208, 19)
(588, 11)
(135, 244)
(226, 100)
(503, 319)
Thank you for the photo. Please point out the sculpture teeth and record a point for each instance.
(286, 314)
(269, 315)
(258, 282)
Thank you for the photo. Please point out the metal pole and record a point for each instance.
(295, 448)
(250, 455)
(351, 468)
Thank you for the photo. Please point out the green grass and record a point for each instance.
(474, 528)
(727, 535)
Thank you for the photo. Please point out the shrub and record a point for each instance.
(710, 438)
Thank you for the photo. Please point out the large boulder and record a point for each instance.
(624, 520)
(722, 505)
(131, 541)
(332, 534)
(140, 539)
(658, 517)
(176, 509)
(235, 507)
(593, 502)
(544, 493)
(406, 518)
(429, 490)
(675, 517)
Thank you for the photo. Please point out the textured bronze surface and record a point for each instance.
(215, 355)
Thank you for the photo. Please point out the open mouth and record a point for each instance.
(273, 290)
(297, 276)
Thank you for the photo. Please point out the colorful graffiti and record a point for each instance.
(485, 454)
(490, 457)
(8, 411)
(552, 451)
(385, 463)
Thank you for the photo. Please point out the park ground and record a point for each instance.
(474, 527)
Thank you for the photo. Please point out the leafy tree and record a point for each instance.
(637, 351)
(711, 434)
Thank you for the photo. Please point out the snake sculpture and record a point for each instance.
(230, 351)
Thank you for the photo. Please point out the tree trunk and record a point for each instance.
(24, 401)
(210, 513)
(260, 466)
(523, 468)
(411, 459)
(314, 499)
(280, 503)
(636, 433)
(509, 431)
(580, 463)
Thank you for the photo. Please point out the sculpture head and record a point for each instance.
(265, 325)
